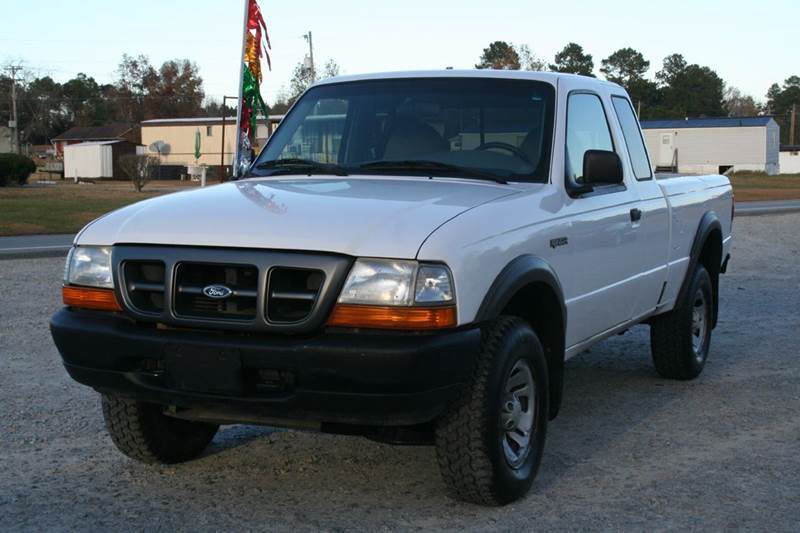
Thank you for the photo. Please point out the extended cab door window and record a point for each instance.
(587, 129)
(633, 138)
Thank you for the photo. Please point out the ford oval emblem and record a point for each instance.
(217, 292)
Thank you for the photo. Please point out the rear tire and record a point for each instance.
(680, 339)
(143, 432)
(485, 455)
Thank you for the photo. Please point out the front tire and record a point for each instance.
(489, 443)
(680, 339)
(143, 432)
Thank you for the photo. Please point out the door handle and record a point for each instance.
(636, 214)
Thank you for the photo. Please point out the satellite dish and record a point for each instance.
(159, 147)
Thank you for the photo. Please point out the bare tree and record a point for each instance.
(331, 69)
(738, 104)
(302, 79)
(139, 168)
(528, 60)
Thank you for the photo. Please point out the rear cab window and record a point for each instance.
(633, 138)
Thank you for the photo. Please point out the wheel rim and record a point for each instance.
(517, 414)
(699, 325)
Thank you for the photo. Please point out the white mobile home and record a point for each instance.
(790, 159)
(180, 135)
(713, 145)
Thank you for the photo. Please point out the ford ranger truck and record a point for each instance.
(411, 258)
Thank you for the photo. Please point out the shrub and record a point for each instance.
(139, 168)
(15, 169)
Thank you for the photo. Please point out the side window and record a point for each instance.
(319, 136)
(633, 138)
(587, 129)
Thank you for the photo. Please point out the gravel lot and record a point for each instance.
(629, 451)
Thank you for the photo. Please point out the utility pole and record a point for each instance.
(311, 66)
(792, 123)
(222, 174)
(14, 119)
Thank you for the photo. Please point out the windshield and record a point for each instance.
(465, 127)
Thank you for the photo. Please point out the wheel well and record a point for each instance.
(539, 305)
(711, 259)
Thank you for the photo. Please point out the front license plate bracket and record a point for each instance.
(204, 369)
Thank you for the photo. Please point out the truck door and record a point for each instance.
(600, 258)
(653, 224)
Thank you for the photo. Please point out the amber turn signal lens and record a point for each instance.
(86, 298)
(387, 317)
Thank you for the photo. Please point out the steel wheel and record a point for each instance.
(517, 414)
(699, 324)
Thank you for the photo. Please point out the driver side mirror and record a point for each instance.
(602, 167)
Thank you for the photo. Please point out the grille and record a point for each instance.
(145, 284)
(270, 291)
(192, 278)
(292, 293)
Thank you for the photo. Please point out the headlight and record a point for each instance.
(89, 266)
(433, 285)
(395, 282)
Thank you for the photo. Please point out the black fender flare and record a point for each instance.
(520, 272)
(708, 224)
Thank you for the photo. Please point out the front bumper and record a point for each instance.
(365, 378)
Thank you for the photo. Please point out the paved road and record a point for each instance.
(767, 208)
(35, 246)
(629, 451)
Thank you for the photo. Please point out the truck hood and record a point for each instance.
(359, 216)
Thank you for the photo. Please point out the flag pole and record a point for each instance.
(238, 146)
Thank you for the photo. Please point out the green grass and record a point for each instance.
(751, 186)
(66, 207)
(62, 208)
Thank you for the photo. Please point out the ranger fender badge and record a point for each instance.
(560, 241)
(217, 292)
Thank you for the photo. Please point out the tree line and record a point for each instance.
(174, 89)
(680, 89)
(141, 91)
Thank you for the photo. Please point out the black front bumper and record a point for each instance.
(366, 378)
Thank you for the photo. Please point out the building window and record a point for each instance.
(208, 131)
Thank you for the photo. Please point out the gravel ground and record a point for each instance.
(629, 450)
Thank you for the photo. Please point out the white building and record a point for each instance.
(790, 159)
(95, 160)
(713, 145)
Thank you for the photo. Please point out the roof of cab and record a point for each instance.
(549, 77)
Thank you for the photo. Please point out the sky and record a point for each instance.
(746, 43)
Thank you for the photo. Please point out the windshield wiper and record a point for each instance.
(294, 165)
(432, 166)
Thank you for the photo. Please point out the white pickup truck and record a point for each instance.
(412, 257)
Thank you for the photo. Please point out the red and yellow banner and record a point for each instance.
(256, 45)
